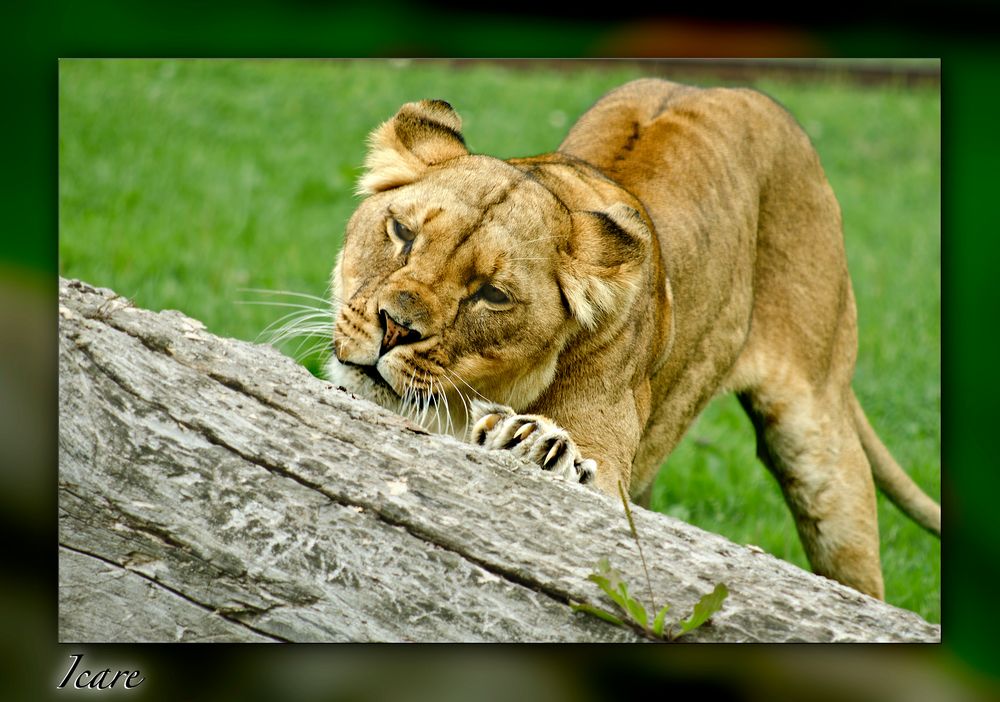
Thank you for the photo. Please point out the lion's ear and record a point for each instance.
(602, 262)
(421, 135)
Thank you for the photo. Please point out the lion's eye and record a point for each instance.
(404, 233)
(493, 295)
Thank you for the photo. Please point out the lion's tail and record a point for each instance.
(892, 480)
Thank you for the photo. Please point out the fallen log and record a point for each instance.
(213, 490)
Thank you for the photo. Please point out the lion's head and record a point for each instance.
(465, 276)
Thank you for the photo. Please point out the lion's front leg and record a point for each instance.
(533, 437)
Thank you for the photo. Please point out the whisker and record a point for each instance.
(297, 327)
(425, 401)
(304, 326)
(288, 319)
(432, 393)
(310, 322)
(299, 316)
(414, 398)
(405, 400)
(300, 354)
(290, 293)
(466, 384)
(275, 303)
(463, 408)
(466, 401)
(411, 396)
(307, 321)
(294, 319)
(310, 345)
(451, 419)
(447, 407)
(309, 331)
(461, 396)
(430, 400)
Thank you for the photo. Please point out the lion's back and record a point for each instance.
(701, 156)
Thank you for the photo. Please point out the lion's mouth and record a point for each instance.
(373, 374)
(413, 394)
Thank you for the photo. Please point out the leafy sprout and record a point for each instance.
(615, 587)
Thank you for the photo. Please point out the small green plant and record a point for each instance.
(612, 583)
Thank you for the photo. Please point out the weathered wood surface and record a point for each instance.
(212, 490)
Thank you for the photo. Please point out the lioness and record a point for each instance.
(581, 308)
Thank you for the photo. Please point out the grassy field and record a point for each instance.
(182, 183)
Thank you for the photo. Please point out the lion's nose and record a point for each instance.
(395, 334)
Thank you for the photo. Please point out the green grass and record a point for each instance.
(183, 182)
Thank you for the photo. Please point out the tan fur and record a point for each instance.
(680, 243)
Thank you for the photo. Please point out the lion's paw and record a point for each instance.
(533, 437)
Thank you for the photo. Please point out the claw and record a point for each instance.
(524, 431)
(484, 426)
(554, 451)
(490, 421)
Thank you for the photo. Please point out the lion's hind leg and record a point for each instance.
(808, 441)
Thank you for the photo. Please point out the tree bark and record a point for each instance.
(213, 490)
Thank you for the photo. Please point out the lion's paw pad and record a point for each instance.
(532, 437)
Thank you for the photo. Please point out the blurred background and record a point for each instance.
(92, 194)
